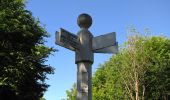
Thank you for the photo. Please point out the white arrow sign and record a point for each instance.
(67, 40)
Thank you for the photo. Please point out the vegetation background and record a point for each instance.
(22, 53)
(140, 71)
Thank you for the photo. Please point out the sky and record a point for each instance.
(108, 16)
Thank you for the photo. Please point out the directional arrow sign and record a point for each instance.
(110, 49)
(67, 40)
(105, 43)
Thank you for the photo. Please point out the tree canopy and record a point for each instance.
(22, 52)
(140, 71)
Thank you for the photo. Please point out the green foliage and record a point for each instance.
(22, 51)
(42, 99)
(158, 82)
(71, 95)
(106, 84)
(140, 71)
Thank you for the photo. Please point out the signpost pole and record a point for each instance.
(84, 58)
(84, 45)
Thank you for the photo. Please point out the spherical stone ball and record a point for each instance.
(84, 21)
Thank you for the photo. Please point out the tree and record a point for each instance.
(140, 71)
(134, 66)
(42, 99)
(71, 95)
(157, 84)
(22, 51)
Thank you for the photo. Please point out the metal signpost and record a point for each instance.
(84, 45)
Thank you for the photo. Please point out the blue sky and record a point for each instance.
(108, 16)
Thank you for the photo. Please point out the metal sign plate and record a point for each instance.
(67, 40)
